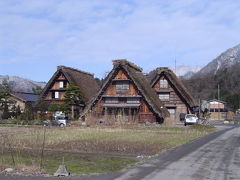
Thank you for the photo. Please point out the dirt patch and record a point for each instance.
(110, 147)
(13, 130)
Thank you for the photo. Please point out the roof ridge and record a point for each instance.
(216, 100)
(126, 62)
(74, 69)
(163, 69)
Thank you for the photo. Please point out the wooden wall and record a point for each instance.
(111, 90)
(18, 102)
(56, 87)
(174, 100)
(144, 114)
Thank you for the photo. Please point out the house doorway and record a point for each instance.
(172, 111)
(122, 115)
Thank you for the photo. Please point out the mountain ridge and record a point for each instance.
(223, 71)
(226, 59)
(20, 84)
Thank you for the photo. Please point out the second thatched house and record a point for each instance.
(125, 97)
(171, 92)
(54, 91)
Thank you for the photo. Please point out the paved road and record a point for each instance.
(218, 159)
(214, 157)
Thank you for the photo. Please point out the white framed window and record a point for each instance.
(122, 86)
(61, 84)
(163, 83)
(164, 97)
(56, 95)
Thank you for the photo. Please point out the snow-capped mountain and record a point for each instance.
(225, 60)
(223, 72)
(20, 84)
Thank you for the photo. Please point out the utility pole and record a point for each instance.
(175, 61)
(43, 146)
(72, 111)
(218, 102)
(199, 111)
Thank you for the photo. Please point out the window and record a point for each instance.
(111, 100)
(122, 87)
(171, 111)
(133, 100)
(55, 95)
(61, 84)
(164, 96)
(163, 83)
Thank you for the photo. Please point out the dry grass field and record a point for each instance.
(88, 150)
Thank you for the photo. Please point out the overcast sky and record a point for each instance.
(38, 35)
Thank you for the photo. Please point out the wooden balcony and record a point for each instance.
(121, 95)
(125, 105)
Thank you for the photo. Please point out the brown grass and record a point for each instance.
(20, 147)
(132, 140)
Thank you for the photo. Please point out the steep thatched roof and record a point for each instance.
(154, 76)
(84, 80)
(140, 81)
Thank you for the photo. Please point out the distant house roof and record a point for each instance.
(142, 84)
(25, 97)
(216, 100)
(154, 75)
(84, 80)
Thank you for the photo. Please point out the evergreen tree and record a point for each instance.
(4, 99)
(232, 99)
(4, 94)
(64, 108)
(42, 108)
(28, 114)
(37, 90)
(53, 107)
(6, 113)
(73, 97)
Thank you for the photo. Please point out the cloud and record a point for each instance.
(89, 34)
